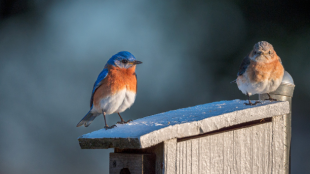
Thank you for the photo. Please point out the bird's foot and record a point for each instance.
(262, 120)
(123, 122)
(250, 103)
(109, 127)
(272, 99)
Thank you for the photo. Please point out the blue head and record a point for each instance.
(123, 59)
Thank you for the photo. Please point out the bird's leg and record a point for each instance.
(106, 125)
(250, 103)
(122, 120)
(270, 98)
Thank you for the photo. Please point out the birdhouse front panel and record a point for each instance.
(244, 150)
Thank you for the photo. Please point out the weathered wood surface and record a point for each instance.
(280, 159)
(170, 153)
(135, 163)
(152, 130)
(258, 149)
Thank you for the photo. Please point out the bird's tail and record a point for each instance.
(88, 118)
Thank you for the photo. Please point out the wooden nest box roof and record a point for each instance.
(182, 123)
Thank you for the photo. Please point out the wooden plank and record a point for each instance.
(246, 150)
(261, 148)
(195, 156)
(288, 131)
(181, 158)
(228, 151)
(178, 159)
(184, 162)
(258, 148)
(158, 150)
(217, 155)
(208, 153)
(268, 148)
(180, 169)
(237, 150)
(205, 155)
(188, 157)
(170, 153)
(280, 163)
(199, 155)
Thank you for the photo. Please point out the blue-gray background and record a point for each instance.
(52, 51)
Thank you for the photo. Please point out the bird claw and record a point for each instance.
(250, 103)
(272, 99)
(109, 127)
(123, 122)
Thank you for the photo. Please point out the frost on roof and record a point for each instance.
(149, 124)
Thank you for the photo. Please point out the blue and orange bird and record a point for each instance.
(114, 90)
(260, 72)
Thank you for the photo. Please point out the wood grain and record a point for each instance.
(258, 149)
(170, 156)
(280, 163)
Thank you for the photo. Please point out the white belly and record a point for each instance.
(118, 102)
(267, 86)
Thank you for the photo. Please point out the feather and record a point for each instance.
(87, 119)
(244, 65)
(101, 76)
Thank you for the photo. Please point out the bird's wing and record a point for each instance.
(244, 65)
(280, 60)
(98, 82)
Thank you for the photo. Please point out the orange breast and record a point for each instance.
(260, 71)
(116, 80)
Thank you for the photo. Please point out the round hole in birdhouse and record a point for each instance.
(125, 171)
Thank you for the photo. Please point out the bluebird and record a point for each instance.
(114, 90)
(260, 72)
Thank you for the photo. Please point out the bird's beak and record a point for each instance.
(136, 62)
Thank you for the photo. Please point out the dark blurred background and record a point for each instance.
(52, 51)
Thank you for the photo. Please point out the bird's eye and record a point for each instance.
(254, 52)
(124, 61)
(269, 52)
